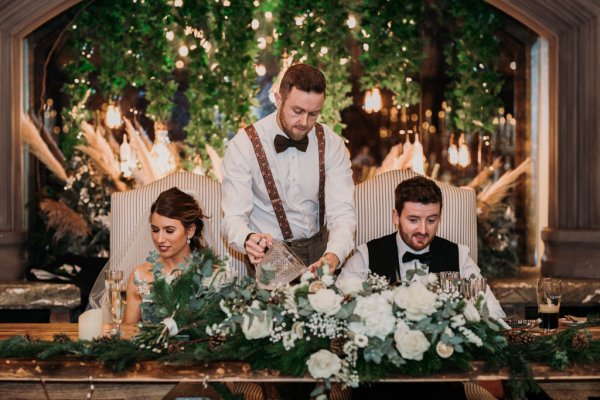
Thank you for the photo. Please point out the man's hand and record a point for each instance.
(256, 244)
(328, 258)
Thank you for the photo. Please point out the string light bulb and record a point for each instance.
(464, 158)
(113, 117)
(452, 153)
(373, 100)
(351, 21)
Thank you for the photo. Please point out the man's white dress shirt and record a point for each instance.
(358, 267)
(246, 204)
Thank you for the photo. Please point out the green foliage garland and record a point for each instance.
(472, 60)
(214, 318)
(392, 32)
(317, 31)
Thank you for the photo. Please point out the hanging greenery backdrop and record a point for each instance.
(198, 63)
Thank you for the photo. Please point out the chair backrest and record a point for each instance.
(375, 202)
(128, 207)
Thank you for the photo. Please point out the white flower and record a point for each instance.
(327, 280)
(376, 315)
(410, 343)
(323, 364)
(361, 340)
(388, 295)
(351, 286)
(471, 336)
(470, 312)
(307, 276)
(416, 300)
(448, 332)
(457, 320)
(444, 350)
(325, 301)
(357, 328)
(432, 278)
(259, 328)
(288, 340)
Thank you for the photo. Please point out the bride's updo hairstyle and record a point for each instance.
(175, 204)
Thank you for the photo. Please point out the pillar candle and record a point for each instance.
(90, 324)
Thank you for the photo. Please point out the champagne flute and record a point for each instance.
(118, 300)
(114, 286)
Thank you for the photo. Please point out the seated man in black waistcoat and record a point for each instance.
(410, 254)
(415, 250)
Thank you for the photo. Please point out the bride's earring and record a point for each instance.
(189, 241)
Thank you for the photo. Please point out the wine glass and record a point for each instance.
(117, 295)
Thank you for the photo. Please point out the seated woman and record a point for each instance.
(176, 228)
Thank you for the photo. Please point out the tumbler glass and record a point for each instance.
(548, 299)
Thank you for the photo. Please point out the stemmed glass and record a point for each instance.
(117, 297)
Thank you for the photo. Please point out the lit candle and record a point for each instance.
(90, 324)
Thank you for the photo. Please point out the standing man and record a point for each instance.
(415, 250)
(287, 177)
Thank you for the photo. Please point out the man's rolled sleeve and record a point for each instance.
(339, 199)
(236, 194)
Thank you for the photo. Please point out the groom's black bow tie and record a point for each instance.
(425, 258)
(282, 143)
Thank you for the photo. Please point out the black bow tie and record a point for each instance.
(425, 258)
(282, 143)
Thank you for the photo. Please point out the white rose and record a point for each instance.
(327, 280)
(416, 300)
(325, 301)
(259, 328)
(323, 364)
(444, 350)
(470, 312)
(388, 295)
(410, 343)
(358, 328)
(380, 325)
(351, 286)
(367, 306)
(376, 314)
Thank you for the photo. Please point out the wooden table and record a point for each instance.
(72, 379)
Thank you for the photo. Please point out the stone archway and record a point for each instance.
(573, 33)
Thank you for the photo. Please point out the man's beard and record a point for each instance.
(289, 130)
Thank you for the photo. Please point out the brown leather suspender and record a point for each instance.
(267, 175)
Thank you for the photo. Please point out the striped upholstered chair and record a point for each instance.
(132, 208)
(375, 201)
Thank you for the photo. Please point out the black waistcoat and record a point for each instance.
(383, 256)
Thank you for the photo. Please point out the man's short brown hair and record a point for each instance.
(302, 77)
(417, 190)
